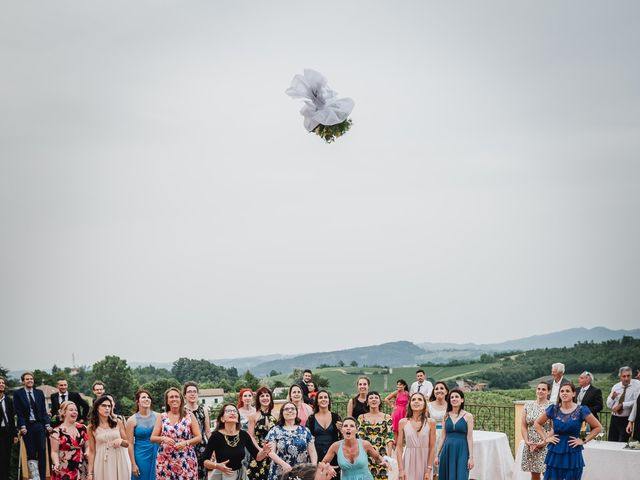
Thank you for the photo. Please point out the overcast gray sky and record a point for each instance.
(160, 197)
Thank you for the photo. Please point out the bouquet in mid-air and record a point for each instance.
(324, 113)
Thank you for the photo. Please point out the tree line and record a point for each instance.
(122, 381)
(516, 370)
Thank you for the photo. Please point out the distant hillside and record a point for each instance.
(248, 363)
(445, 352)
(563, 338)
(392, 354)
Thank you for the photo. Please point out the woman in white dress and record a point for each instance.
(437, 410)
(108, 454)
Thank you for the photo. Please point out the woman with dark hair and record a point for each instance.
(324, 425)
(376, 427)
(535, 450)
(400, 407)
(304, 409)
(313, 393)
(418, 431)
(114, 409)
(245, 407)
(564, 446)
(190, 390)
(292, 442)
(228, 443)
(108, 459)
(456, 442)
(69, 445)
(139, 427)
(177, 432)
(259, 425)
(437, 410)
(354, 455)
(358, 404)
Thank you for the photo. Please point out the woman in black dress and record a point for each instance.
(259, 425)
(358, 405)
(190, 390)
(324, 425)
(228, 443)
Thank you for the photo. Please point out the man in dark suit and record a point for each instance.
(8, 432)
(33, 423)
(62, 396)
(557, 380)
(588, 395)
(306, 378)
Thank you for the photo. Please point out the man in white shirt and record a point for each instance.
(620, 401)
(557, 380)
(421, 385)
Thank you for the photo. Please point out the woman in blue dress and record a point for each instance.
(139, 427)
(455, 448)
(353, 453)
(564, 446)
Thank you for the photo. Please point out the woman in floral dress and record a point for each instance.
(190, 391)
(292, 443)
(69, 445)
(376, 427)
(535, 448)
(260, 423)
(177, 432)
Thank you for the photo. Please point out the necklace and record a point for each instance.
(235, 439)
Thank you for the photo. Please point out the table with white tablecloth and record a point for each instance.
(602, 460)
(492, 456)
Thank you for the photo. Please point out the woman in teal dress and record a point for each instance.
(564, 447)
(353, 453)
(455, 448)
(139, 427)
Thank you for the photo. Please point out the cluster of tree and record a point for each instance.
(318, 380)
(122, 381)
(515, 371)
(484, 358)
(340, 364)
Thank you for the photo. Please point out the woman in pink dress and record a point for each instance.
(400, 408)
(416, 441)
(177, 432)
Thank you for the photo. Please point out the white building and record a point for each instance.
(211, 397)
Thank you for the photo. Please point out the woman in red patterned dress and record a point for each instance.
(177, 432)
(69, 445)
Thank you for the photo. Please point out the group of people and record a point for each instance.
(429, 433)
(552, 424)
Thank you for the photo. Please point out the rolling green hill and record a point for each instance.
(344, 379)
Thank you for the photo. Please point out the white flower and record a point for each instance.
(322, 105)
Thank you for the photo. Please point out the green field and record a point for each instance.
(343, 380)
